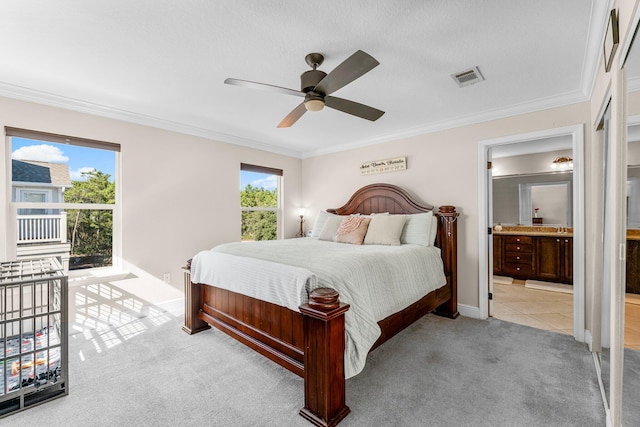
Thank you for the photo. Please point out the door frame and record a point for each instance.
(485, 208)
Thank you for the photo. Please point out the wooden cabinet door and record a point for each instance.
(548, 259)
(567, 260)
(497, 254)
(633, 266)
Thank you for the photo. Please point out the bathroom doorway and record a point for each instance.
(531, 254)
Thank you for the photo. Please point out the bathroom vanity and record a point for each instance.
(539, 253)
(544, 253)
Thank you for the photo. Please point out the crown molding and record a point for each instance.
(45, 98)
(593, 52)
(52, 100)
(486, 116)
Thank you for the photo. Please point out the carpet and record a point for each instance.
(132, 365)
(630, 384)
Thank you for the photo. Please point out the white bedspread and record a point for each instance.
(375, 280)
(277, 283)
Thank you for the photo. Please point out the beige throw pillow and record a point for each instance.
(385, 230)
(352, 230)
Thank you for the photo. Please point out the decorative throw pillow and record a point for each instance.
(330, 227)
(417, 229)
(385, 230)
(352, 230)
(321, 220)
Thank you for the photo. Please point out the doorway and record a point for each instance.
(487, 221)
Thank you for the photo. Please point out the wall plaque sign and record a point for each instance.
(381, 166)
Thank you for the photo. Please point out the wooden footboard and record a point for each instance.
(310, 342)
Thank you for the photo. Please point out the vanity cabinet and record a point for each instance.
(554, 259)
(546, 258)
(518, 256)
(633, 266)
(497, 254)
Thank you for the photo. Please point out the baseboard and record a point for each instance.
(469, 311)
(588, 339)
(549, 286)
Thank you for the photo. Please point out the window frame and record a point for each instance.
(8, 223)
(246, 167)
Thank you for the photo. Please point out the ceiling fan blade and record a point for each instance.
(293, 116)
(353, 108)
(350, 69)
(264, 86)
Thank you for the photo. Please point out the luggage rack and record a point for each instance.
(33, 333)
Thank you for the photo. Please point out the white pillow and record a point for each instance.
(385, 230)
(417, 229)
(434, 231)
(321, 219)
(330, 228)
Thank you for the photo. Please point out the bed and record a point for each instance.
(312, 341)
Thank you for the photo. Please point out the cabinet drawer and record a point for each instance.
(516, 247)
(518, 269)
(524, 240)
(519, 258)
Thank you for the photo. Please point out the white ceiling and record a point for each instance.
(163, 62)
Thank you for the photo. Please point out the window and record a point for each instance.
(33, 196)
(259, 202)
(63, 197)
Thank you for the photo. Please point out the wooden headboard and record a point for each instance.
(379, 198)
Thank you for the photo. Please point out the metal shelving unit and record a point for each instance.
(33, 333)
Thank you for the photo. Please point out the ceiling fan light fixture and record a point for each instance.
(314, 104)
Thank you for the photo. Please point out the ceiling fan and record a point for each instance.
(316, 86)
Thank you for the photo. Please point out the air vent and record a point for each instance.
(468, 77)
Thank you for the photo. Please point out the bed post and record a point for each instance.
(447, 237)
(192, 303)
(324, 381)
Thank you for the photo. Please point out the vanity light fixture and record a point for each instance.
(562, 163)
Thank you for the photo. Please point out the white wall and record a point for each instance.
(442, 169)
(180, 193)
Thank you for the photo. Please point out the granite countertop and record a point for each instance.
(633, 234)
(532, 230)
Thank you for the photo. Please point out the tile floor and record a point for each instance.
(632, 322)
(553, 311)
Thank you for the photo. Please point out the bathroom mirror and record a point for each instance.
(633, 178)
(546, 203)
(533, 174)
(515, 199)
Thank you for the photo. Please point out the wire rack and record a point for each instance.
(33, 333)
